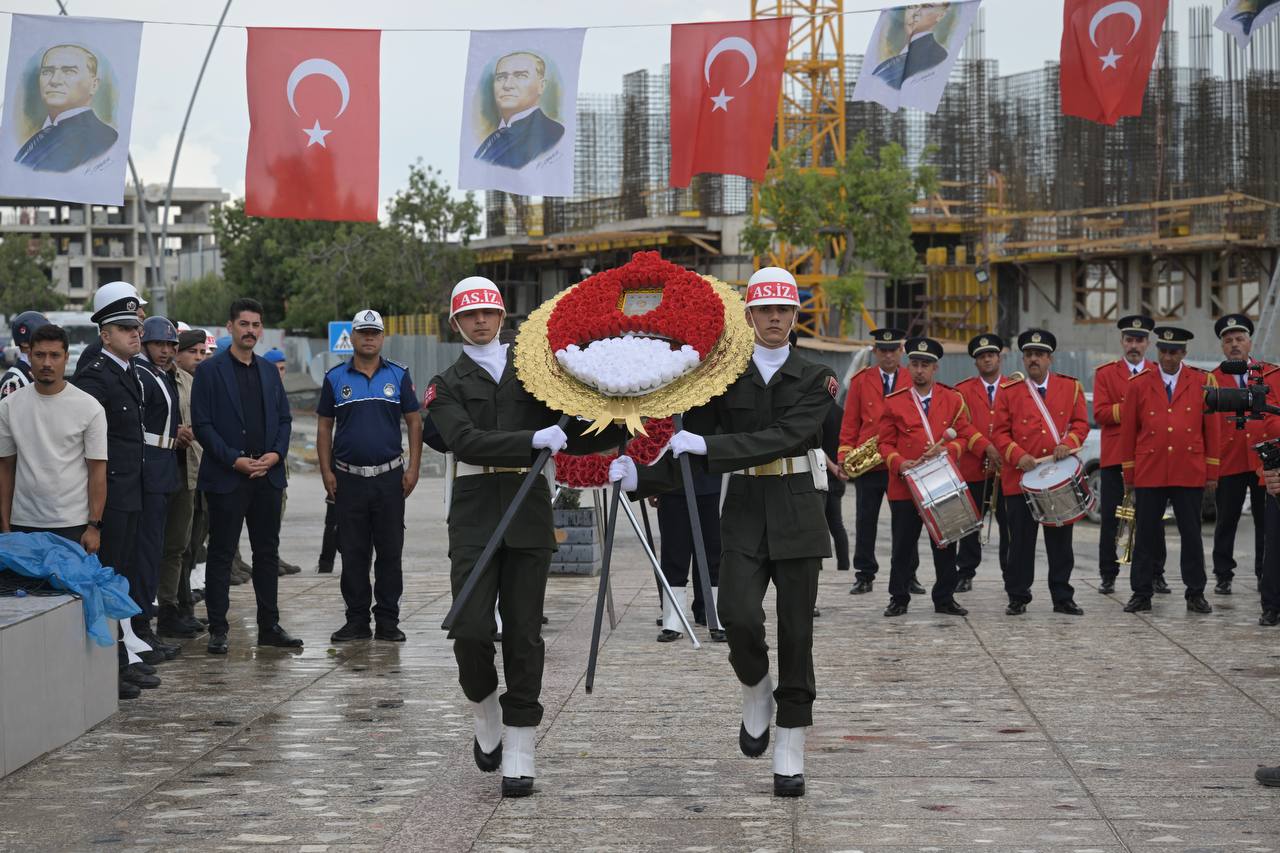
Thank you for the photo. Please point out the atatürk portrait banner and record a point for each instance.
(519, 111)
(68, 107)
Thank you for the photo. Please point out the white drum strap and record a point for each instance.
(924, 419)
(1044, 412)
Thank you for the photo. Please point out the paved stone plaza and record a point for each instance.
(1109, 732)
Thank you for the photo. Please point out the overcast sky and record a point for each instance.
(422, 72)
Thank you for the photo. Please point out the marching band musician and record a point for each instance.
(1237, 474)
(980, 467)
(1109, 384)
(914, 429)
(1166, 438)
(1043, 416)
(766, 432)
(862, 409)
(496, 428)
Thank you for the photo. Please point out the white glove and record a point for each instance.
(551, 438)
(623, 470)
(688, 442)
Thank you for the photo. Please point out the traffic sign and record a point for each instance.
(340, 337)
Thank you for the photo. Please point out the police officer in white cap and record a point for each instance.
(21, 328)
(495, 428)
(363, 466)
(766, 431)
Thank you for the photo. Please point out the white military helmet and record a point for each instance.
(117, 302)
(772, 286)
(473, 293)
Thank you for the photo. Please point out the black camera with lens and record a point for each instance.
(1242, 404)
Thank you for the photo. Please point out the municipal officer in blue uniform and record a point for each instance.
(161, 419)
(363, 466)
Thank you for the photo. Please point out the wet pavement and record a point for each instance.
(1107, 732)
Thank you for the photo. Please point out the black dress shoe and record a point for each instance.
(1197, 604)
(752, 747)
(277, 636)
(125, 690)
(217, 644)
(143, 666)
(486, 761)
(950, 609)
(1222, 588)
(861, 587)
(914, 587)
(1269, 618)
(171, 623)
(1108, 586)
(895, 608)
(718, 636)
(1160, 586)
(138, 678)
(169, 650)
(1138, 604)
(669, 636)
(389, 634)
(1015, 608)
(964, 585)
(788, 786)
(153, 656)
(517, 787)
(1068, 607)
(351, 631)
(1269, 776)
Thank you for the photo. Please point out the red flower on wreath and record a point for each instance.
(592, 471)
(689, 312)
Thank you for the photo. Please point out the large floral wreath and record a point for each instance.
(592, 471)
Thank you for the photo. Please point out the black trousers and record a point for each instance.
(835, 522)
(1149, 539)
(969, 552)
(746, 578)
(1110, 499)
(191, 556)
(1269, 583)
(329, 540)
(676, 548)
(71, 534)
(150, 545)
(371, 519)
(906, 525)
(1021, 574)
(255, 503)
(1230, 502)
(117, 548)
(517, 579)
(869, 491)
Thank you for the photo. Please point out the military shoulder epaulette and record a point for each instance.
(1009, 383)
(945, 385)
(897, 392)
(1065, 376)
(397, 364)
(1109, 363)
(1142, 372)
(860, 372)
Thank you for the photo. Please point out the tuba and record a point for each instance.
(1126, 529)
(862, 458)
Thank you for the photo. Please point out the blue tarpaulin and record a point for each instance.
(66, 566)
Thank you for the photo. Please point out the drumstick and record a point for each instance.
(1048, 458)
(946, 436)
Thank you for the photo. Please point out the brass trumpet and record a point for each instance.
(1126, 529)
(863, 458)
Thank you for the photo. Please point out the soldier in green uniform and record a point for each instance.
(765, 430)
(495, 429)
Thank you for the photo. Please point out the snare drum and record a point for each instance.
(1058, 493)
(943, 500)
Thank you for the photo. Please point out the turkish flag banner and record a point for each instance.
(1108, 49)
(313, 124)
(725, 81)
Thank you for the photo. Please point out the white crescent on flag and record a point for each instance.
(1133, 10)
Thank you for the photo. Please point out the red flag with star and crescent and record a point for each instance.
(313, 124)
(725, 81)
(1108, 49)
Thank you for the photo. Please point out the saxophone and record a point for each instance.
(863, 458)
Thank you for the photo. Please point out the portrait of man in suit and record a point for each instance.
(922, 50)
(72, 134)
(524, 131)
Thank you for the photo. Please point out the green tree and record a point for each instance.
(862, 209)
(203, 302)
(436, 228)
(24, 276)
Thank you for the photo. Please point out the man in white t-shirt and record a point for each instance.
(53, 451)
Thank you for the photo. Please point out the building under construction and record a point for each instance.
(1042, 219)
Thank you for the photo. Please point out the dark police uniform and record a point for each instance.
(773, 525)
(369, 503)
(17, 376)
(160, 420)
(119, 391)
(491, 425)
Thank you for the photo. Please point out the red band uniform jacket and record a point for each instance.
(904, 438)
(1169, 443)
(982, 414)
(1110, 381)
(863, 407)
(1020, 428)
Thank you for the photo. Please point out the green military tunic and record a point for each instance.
(492, 424)
(771, 527)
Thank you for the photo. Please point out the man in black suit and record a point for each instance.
(524, 132)
(923, 50)
(72, 134)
